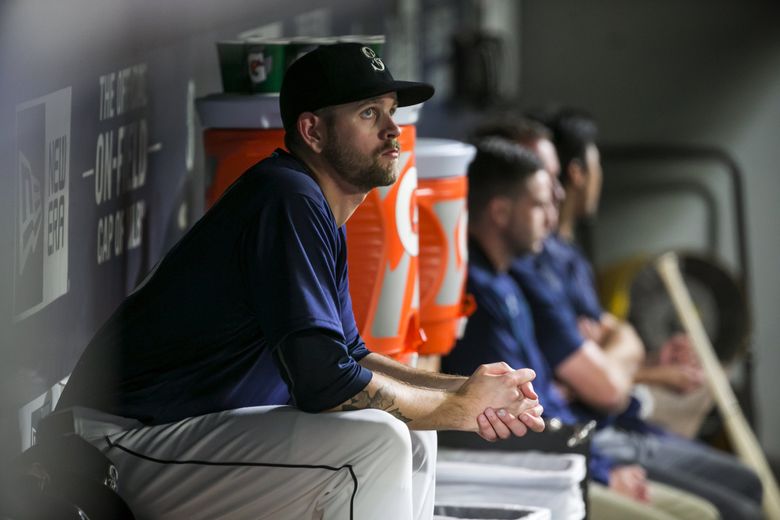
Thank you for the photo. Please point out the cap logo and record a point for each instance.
(376, 61)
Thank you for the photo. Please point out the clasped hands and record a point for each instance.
(506, 401)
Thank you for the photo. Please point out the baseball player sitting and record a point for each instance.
(227, 356)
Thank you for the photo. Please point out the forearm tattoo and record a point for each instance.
(381, 400)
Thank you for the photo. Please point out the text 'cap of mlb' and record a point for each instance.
(341, 73)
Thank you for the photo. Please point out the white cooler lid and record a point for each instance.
(439, 158)
(407, 115)
(239, 111)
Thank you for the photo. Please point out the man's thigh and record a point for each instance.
(266, 462)
(680, 504)
(605, 504)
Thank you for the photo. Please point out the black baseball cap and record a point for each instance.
(341, 73)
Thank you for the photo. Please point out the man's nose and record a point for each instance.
(391, 130)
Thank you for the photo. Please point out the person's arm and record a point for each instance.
(675, 366)
(602, 374)
(621, 344)
(422, 378)
(624, 348)
(594, 379)
(494, 387)
(493, 424)
(679, 378)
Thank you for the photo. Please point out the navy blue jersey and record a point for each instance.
(501, 329)
(576, 273)
(203, 332)
(554, 317)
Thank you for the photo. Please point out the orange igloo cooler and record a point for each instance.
(241, 130)
(443, 187)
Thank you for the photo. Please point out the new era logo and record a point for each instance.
(42, 195)
(30, 211)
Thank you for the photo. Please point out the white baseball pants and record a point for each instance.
(276, 462)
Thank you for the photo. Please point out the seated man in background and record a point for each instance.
(675, 365)
(604, 370)
(509, 205)
(251, 310)
(580, 360)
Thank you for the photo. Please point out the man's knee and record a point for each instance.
(379, 428)
(379, 443)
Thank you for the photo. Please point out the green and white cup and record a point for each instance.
(265, 63)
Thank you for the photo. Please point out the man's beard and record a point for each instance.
(363, 172)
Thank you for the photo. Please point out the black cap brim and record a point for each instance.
(412, 93)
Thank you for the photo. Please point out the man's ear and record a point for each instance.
(499, 210)
(311, 129)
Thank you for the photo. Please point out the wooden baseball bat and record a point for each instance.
(744, 440)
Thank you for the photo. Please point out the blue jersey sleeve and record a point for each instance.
(319, 370)
(554, 318)
(357, 349)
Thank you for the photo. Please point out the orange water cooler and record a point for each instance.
(383, 247)
(443, 187)
(241, 130)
